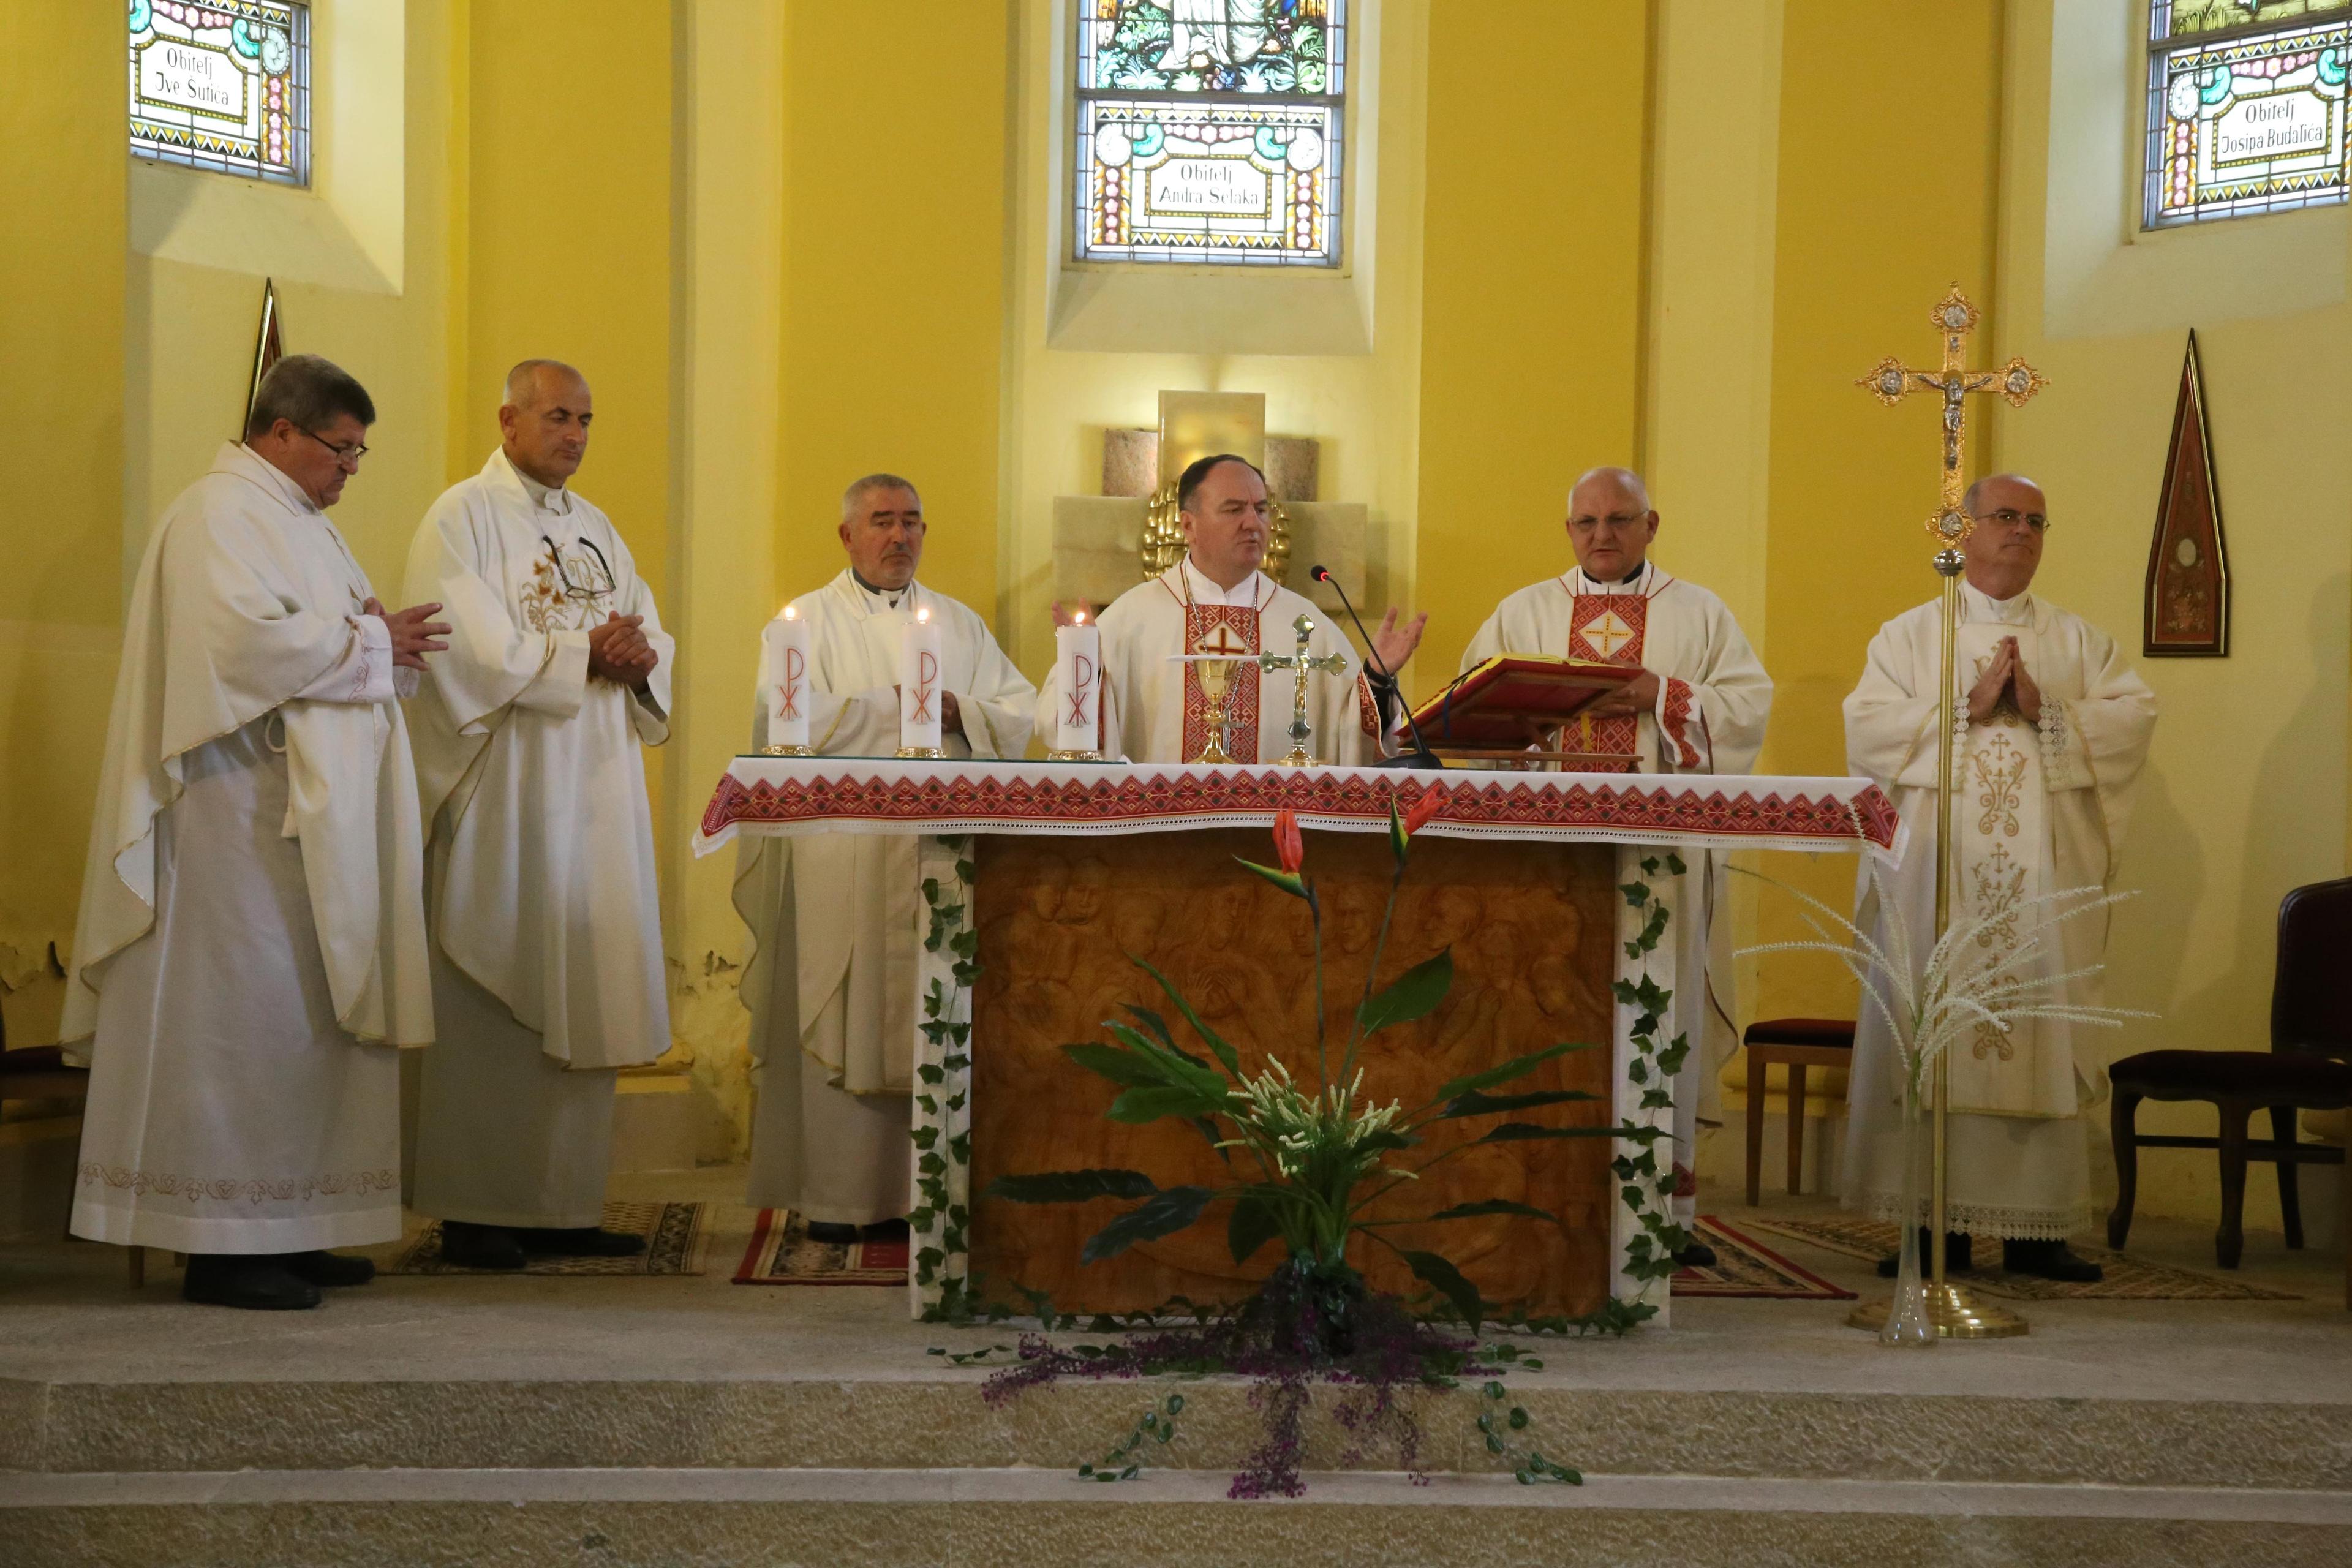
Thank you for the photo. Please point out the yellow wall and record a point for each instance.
(1873, 225)
(1531, 301)
(895, 235)
(61, 437)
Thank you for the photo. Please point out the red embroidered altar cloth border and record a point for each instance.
(795, 796)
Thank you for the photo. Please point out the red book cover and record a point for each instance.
(1511, 700)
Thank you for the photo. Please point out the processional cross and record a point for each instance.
(1949, 1308)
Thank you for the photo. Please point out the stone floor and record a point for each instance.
(464, 1419)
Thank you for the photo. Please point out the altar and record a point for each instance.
(1042, 881)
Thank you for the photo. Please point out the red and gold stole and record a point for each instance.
(1220, 629)
(1609, 627)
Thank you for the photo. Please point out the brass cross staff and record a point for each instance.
(1890, 380)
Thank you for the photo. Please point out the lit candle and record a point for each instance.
(784, 677)
(1077, 670)
(918, 685)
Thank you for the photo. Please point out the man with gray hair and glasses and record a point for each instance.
(251, 942)
(2054, 725)
(1698, 706)
(547, 973)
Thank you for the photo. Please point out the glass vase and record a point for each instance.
(1908, 1323)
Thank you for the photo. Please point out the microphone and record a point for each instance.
(1421, 756)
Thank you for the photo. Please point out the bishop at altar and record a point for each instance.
(1699, 707)
(2057, 725)
(831, 984)
(1216, 601)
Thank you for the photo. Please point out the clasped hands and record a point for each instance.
(414, 631)
(618, 652)
(2005, 676)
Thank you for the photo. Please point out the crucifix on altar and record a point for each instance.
(1952, 1312)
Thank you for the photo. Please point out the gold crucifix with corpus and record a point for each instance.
(1950, 1311)
(1891, 381)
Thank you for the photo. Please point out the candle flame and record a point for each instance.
(923, 614)
(1078, 619)
(792, 612)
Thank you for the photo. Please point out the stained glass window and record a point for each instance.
(1208, 131)
(2245, 106)
(224, 86)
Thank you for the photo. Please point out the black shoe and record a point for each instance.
(579, 1241)
(469, 1245)
(1697, 1255)
(886, 1230)
(257, 1283)
(832, 1234)
(1957, 1258)
(328, 1268)
(2049, 1260)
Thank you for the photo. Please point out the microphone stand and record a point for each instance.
(1421, 756)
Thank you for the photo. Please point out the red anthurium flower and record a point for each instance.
(1430, 803)
(1289, 847)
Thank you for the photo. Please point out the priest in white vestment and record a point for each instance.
(251, 943)
(547, 973)
(837, 919)
(1217, 601)
(2057, 727)
(1699, 707)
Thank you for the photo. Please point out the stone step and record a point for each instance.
(942, 1421)
(883, 1517)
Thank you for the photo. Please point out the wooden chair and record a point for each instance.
(2304, 1069)
(1795, 1044)
(41, 1073)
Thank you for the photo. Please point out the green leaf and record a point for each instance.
(1290, 882)
(1150, 1103)
(1163, 1213)
(1528, 1132)
(1182, 1068)
(1477, 1104)
(1125, 1067)
(1448, 1282)
(1072, 1186)
(1517, 1066)
(1217, 1043)
(1253, 1225)
(1487, 1207)
(1400, 842)
(1153, 1022)
(1414, 995)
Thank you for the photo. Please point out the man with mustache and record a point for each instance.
(1214, 601)
(830, 983)
(547, 948)
(2056, 724)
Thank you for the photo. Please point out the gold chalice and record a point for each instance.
(1216, 683)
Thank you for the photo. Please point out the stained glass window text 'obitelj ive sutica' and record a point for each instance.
(2245, 106)
(1208, 131)
(224, 86)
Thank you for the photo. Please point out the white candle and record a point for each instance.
(1078, 669)
(785, 675)
(918, 685)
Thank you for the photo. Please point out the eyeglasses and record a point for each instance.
(594, 581)
(351, 454)
(1616, 521)
(2008, 518)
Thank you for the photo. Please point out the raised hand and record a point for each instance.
(1394, 643)
(414, 631)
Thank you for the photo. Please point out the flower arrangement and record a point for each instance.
(1310, 1162)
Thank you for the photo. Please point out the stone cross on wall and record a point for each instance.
(1100, 541)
